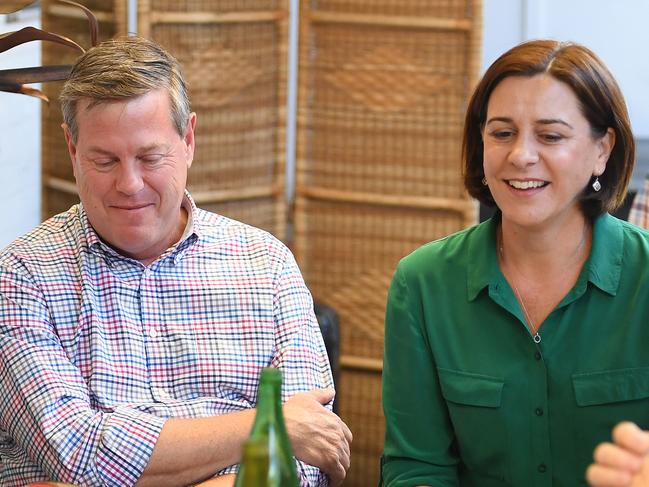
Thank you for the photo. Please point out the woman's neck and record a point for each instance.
(537, 251)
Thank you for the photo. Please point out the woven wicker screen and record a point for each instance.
(383, 86)
(59, 190)
(233, 55)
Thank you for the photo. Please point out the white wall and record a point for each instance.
(20, 154)
(617, 30)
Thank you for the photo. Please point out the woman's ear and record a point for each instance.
(605, 146)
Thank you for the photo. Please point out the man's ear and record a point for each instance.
(189, 139)
(72, 147)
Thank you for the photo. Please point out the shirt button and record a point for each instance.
(153, 333)
(538, 412)
(161, 393)
(537, 355)
(542, 468)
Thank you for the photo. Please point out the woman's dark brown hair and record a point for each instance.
(601, 103)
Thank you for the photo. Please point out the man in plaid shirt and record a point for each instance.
(134, 326)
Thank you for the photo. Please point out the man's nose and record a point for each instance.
(129, 180)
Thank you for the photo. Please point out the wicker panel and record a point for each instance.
(385, 110)
(234, 60)
(213, 6)
(56, 160)
(234, 91)
(72, 23)
(359, 403)
(433, 8)
(382, 95)
(96, 5)
(59, 201)
(348, 254)
(262, 213)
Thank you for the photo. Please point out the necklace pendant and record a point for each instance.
(537, 338)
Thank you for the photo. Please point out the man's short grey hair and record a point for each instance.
(122, 68)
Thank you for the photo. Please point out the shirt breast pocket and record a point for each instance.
(604, 398)
(474, 405)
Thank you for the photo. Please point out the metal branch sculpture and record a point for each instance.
(16, 80)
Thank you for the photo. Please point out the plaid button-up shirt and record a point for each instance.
(639, 213)
(97, 350)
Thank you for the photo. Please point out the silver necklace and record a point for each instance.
(530, 324)
(536, 336)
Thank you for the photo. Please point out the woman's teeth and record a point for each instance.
(526, 184)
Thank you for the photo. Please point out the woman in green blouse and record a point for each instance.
(512, 348)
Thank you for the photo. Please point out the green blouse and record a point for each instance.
(471, 400)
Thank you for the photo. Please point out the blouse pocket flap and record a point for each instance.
(471, 389)
(611, 386)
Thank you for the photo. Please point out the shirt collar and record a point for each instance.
(604, 264)
(92, 239)
(94, 242)
(190, 207)
(602, 268)
(482, 258)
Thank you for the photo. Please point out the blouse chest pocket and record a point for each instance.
(471, 389)
(474, 405)
(604, 398)
(611, 386)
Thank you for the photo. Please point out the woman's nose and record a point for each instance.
(524, 151)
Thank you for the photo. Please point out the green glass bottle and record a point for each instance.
(269, 429)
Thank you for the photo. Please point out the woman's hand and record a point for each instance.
(623, 463)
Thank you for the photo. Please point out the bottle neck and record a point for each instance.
(269, 400)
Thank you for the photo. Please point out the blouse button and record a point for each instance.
(542, 468)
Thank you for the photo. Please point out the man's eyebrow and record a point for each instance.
(147, 148)
(153, 147)
(99, 150)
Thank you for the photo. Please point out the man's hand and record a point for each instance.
(319, 437)
(623, 463)
(223, 481)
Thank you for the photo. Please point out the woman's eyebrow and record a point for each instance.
(550, 121)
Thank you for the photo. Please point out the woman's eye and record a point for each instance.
(551, 137)
(501, 134)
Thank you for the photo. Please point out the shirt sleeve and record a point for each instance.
(300, 348)
(419, 444)
(46, 407)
